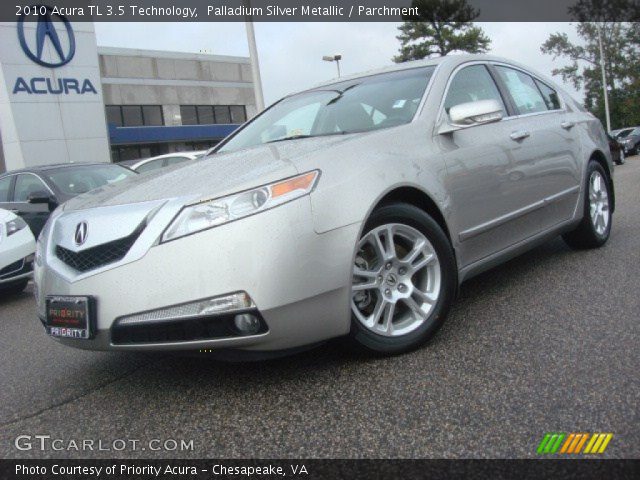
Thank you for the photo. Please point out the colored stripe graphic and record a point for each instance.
(550, 443)
(572, 443)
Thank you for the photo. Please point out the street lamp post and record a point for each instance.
(333, 58)
(604, 79)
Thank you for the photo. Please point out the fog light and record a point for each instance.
(201, 308)
(246, 323)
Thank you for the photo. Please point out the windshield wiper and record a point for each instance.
(292, 137)
(295, 137)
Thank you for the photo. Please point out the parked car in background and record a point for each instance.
(17, 248)
(621, 132)
(161, 161)
(617, 152)
(631, 142)
(32, 193)
(355, 209)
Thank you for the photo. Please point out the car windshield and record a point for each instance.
(358, 105)
(82, 178)
(625, 133)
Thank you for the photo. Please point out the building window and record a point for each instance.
(152, 115)
(134, 115)
(121, 153)
(238, 114)
(205, 114)
(188, 114)
(114, 115)
(222, 114)
(212, 114)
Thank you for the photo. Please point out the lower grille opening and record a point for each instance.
(20, 267)
(186, 330)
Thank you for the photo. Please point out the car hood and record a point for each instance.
(214, 176)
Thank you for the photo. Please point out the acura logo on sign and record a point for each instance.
(81, 233)
(46, 29)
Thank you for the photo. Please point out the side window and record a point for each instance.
(523, 90)
(471, 84)
(149, 166)
(5, 184)
(26, 185)
(176, 160)
(550, 96)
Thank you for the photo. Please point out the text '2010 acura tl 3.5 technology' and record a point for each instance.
(352, 209)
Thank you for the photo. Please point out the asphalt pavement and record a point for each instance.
(549, 342)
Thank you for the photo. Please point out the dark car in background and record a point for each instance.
(631, 142)
(33, 193)
(620, 133)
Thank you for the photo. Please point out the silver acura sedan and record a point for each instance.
(354, 209)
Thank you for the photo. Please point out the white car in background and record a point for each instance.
(161, 161)
(17, 249)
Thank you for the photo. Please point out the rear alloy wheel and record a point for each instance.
(595, 227)
(403, 280)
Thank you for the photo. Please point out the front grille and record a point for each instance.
(99, 255)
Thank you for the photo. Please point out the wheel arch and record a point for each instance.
(601, 158)
(418, 198)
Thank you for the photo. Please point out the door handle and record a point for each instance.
(519, 135)
(567, 125)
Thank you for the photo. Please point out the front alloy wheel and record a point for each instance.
(598, 202)
(404, 280)
(396, 280)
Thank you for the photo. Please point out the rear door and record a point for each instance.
(550, 166)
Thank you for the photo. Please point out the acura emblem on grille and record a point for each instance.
(81, 233)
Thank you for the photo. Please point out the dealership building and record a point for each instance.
(64, 99)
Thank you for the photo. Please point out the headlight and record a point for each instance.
(211, 213)
(14, 226)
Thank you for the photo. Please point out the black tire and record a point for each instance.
(585, 236)
(362, 338)
(13, 288)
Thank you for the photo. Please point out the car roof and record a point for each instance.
(54, 166)
(453, 60)
(187, 154)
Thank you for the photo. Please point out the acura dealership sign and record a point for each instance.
(51, 104)
(46, 30)
(62, 51)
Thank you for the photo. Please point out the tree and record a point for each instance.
(441, 27)
(621, 45)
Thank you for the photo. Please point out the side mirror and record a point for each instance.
(472, 113)
(42, 197)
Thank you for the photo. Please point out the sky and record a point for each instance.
(290, 54)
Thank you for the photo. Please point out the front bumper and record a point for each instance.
(16, 257)
(299, 281)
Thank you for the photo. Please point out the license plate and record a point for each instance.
(68, 317)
